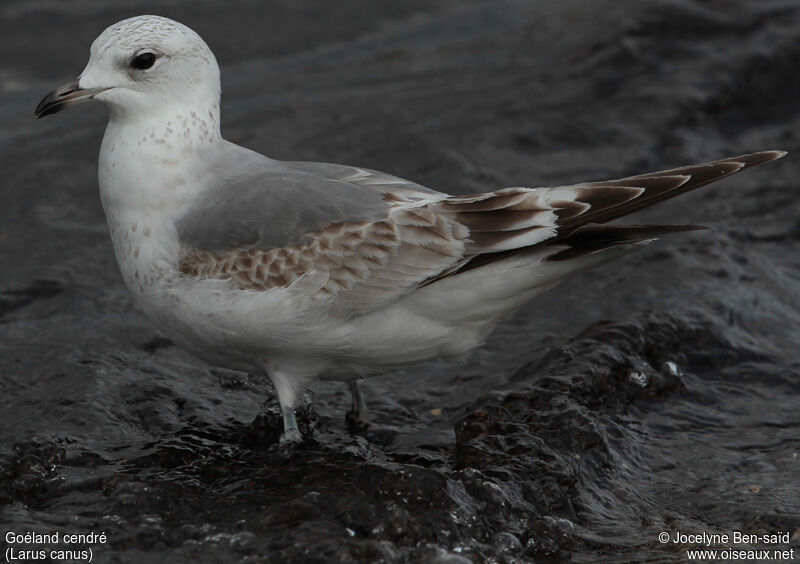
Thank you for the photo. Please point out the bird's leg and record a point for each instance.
(358, 416)
(287, 396)
(291, 432)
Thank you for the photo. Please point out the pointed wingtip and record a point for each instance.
(753, 159)
(767, 156)
(761, 157)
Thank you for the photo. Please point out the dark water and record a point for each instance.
(658, 393)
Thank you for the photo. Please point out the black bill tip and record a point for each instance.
(56, 100)
(63, 97)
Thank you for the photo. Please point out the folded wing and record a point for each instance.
(374, 237)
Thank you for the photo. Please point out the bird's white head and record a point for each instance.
(144, 67)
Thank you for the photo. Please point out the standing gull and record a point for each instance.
(301, 270)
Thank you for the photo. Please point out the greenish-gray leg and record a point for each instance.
(291, 432)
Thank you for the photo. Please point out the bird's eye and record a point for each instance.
(143, 61)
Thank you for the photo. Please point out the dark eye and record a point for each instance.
(143, 61)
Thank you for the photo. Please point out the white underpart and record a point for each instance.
(159, 151)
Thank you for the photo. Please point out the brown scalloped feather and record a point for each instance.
(369, 262)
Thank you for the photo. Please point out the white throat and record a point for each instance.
(144, 161)
(148, 175)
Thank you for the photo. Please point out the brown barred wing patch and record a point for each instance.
(367, 264)
(346, 251)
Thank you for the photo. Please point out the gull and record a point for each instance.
(304, 270)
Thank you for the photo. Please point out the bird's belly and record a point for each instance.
(214, 319)
(225, 325)
(147, 255)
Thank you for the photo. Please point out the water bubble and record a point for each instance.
(639, 378)
(669, 368)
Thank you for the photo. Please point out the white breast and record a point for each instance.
(144, 186)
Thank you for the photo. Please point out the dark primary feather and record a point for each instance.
(698, 175)
(593, 238)
(505, 214)
(579, 220)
